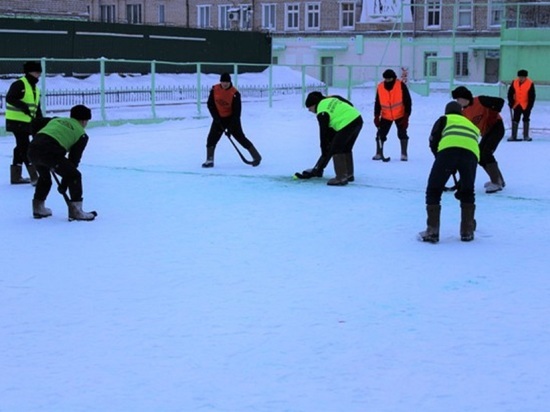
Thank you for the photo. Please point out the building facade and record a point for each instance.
(435, 40)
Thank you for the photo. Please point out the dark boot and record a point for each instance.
(514, 137)
(209, 157)
(39, 210)
(76, 212)
(341, 170)
(33, 174)
(256, 158)
(15, 175)
(467, 222)
(349, 165)
(526, 136)
(404, 143)
(431, 234)
(379, 148)
(497, 183)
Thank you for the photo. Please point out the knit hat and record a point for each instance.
(462, 92)
(523, 73)
(453, 108)
(314, 98)
(389, 74)
(81, 112)
(29, 67)
(225, 77)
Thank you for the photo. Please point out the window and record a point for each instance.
(245, 21)
(433, 14)
(268, 16)
(313, 16)
(203, 17)
(496, 11)
(464, 13)
(347, 15)
(292, 16)
(107, 14)
(461, 64)
(223, 13)
(133, 13)
(430, 65)
(162, 19)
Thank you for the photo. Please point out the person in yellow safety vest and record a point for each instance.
(521, 99)
(454, 143)
(22, 106)
(339, 126)
(393, 103)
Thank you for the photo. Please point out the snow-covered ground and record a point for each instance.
(239, 289)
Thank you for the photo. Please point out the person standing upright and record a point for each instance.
(224, 105)
(521, 99)
(393, 103)
(22, 106)
(484, 112)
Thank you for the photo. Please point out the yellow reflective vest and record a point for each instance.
(459, 132)
(30, 98)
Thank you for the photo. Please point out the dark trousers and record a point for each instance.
(47, 155)
(384, 129)
(234, 127)
(21, 148)
(447, 162)
(518, 112)
(489, 143)
(344, 139)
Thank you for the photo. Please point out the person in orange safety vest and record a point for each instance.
(521, 99)
(224, 105)
(392, 104)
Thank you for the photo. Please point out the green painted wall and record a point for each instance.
(28, 38)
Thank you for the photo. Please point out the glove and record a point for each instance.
(309, 173)
(377, 121)
(27, 111)
(404, 122)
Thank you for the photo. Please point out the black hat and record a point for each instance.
(29, 67)
(453, 108)
(389, 74)
(523, 73)
(462, 92)
(314, 98)
(81, 112)
(225, 77)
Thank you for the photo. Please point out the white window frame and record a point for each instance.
(223, 21)
(245, 17)
(313, 16)
(461, 64)
(496, 12)
(107, 13)
(292, 16)
(465, 14)
(433, 8)
(269, 16)
(134, 13)
(347, 13)
(430, 67)
(161, 14)
(204, 13)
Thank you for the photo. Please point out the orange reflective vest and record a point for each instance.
(521, 97)
(483, 117)
(391, 101)
(223, 98)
